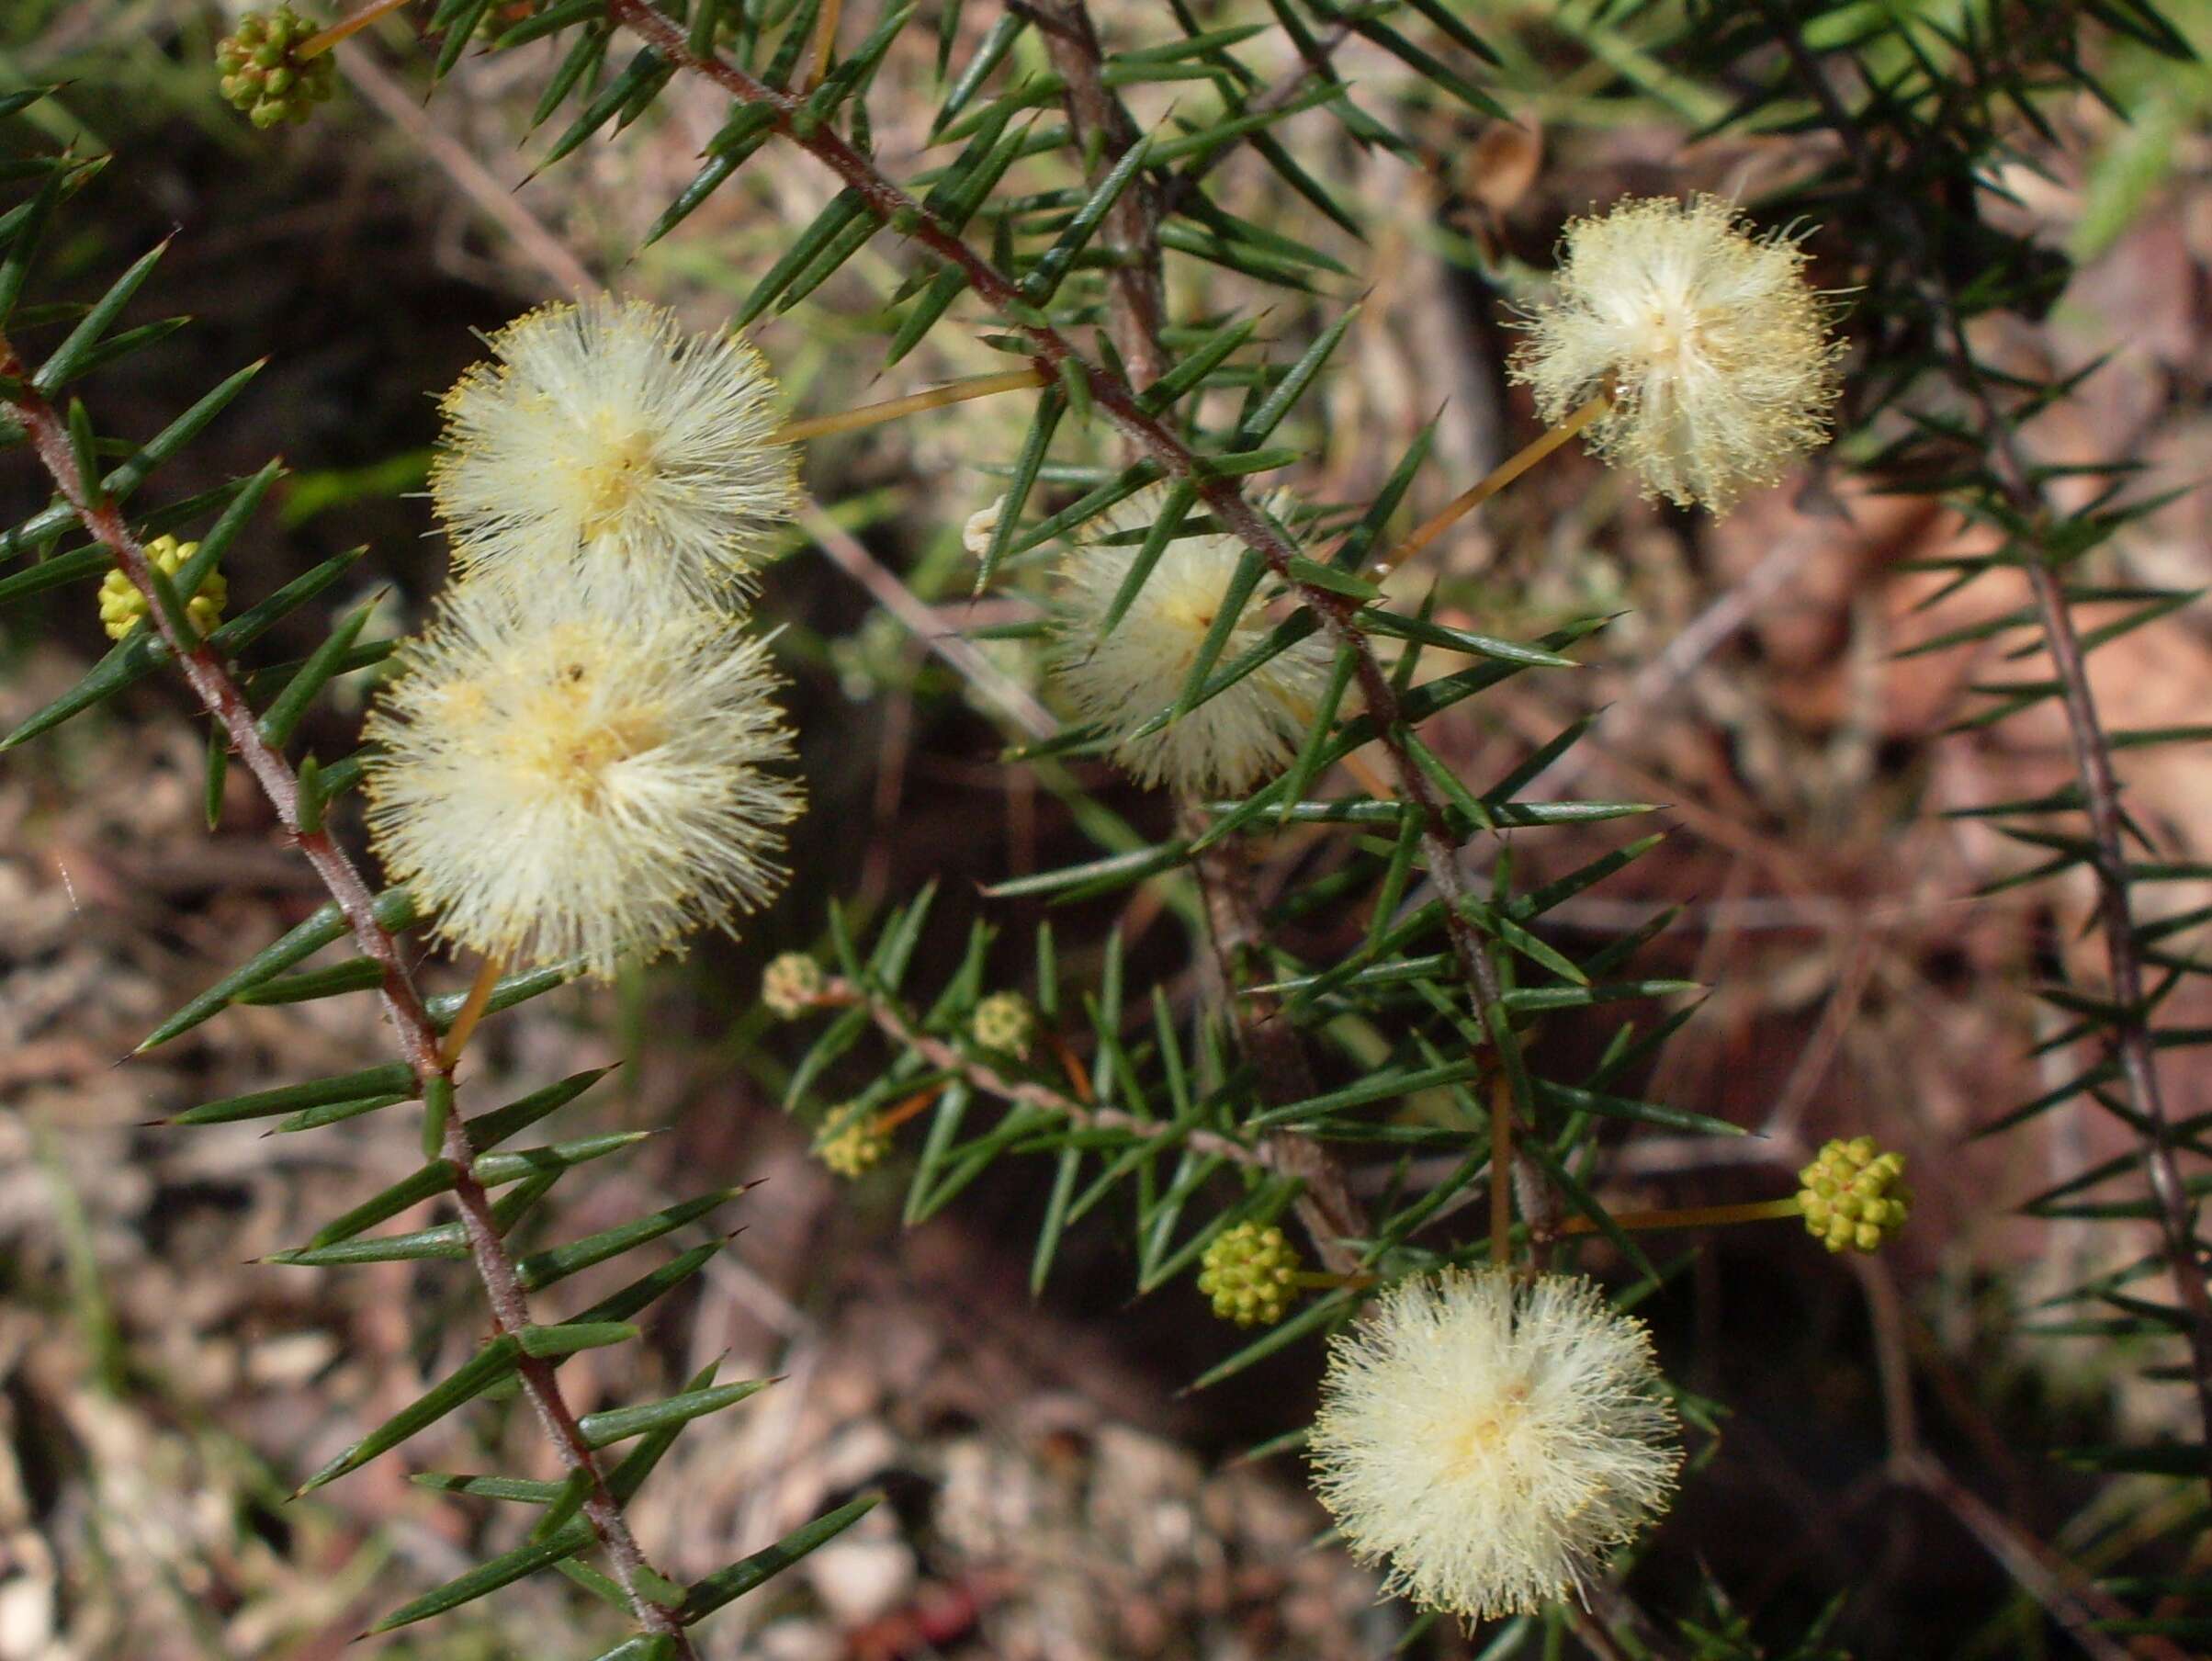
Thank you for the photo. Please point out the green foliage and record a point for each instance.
(1042, 224)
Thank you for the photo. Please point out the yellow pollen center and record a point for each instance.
(613, 480)
(1474, 1441)
(578, 748)
(1676, 333)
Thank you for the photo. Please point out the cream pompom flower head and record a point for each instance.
(559, 782)
(606, 446)
(1716, 354)
(1493, 1437)
(1119, 682)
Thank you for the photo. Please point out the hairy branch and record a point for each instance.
(1102, 129)
(219, 694)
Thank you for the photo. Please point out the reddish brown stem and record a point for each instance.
(219, 694)
(1324, 1205)
(1102, 128)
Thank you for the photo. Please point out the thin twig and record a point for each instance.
(895, 409)
(901, 1028)
(1324, 1205)
(494, 198)
(218, 694)
(849, 554)
(2132, 1037)
(1492, 482)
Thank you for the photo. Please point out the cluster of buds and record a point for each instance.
(122, 608)
(790, 985)
(1249, 1273)
(1852, 1196)
(264, 75)
(1005, 1023)
(852, 1142)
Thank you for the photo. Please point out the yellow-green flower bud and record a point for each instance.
(1005, 1023)
(851, 1141)
(1852, 1195)
(122, 606)
(1249, 1273)
(263, 73)
(790, 985)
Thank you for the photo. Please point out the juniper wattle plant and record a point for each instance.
(580, 760)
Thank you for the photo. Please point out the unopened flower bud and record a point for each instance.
(852, 1142)
(982, 525)
(1249, 1273)
(122, 606)
(790, 985)
(263, 73)
(1005, 1023)
(1852, 1195)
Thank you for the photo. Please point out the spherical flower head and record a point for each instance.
(123, 608)
(606, 447)
(1852, 1195)
(790, 985)
(852, 1142)
(1005, 1023)
(1232, 740)
(1715, 351)
(1249, 1273)
(263, 73)
(557, 782)
(1492, 1437)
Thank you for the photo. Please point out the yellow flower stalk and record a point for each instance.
(606, 448)
(1493, 1437)
(556, 780)
(1714, 352)
(1232, 740)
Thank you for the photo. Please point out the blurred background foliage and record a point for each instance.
(1054, 1495)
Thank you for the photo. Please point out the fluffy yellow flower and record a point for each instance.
(1716, 352)
(560, 782)
(1492, 1437)
(1232, 740)
(607, 446)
